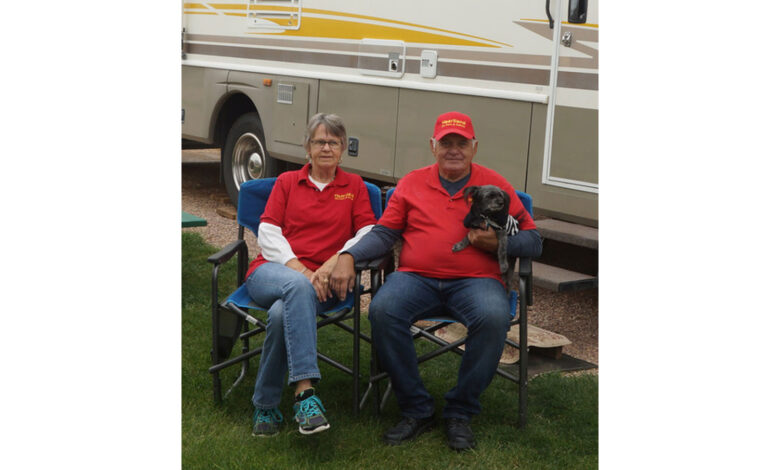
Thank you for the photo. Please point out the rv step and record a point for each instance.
(567, 232)
(561, 280)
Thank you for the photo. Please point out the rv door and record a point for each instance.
(571, 135)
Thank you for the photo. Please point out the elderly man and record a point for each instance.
(427, 212)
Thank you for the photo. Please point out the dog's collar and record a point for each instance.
(489, 222)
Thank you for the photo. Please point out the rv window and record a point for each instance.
(578, 11)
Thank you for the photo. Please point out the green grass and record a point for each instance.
(562, 430)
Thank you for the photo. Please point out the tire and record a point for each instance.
(244, 156)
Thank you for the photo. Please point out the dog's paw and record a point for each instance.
(460, 245)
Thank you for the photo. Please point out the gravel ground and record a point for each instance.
(574, 314)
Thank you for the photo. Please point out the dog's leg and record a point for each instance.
(461, 244)
(503, 262)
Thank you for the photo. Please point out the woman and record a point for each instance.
(311, 215)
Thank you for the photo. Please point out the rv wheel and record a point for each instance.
(243, 156)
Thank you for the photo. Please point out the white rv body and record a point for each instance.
(389, 68)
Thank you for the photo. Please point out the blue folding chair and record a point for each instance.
(522, 291)
(232, 315)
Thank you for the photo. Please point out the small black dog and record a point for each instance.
(490, 208)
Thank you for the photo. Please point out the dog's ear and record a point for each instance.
(469, 192)
(506, 198)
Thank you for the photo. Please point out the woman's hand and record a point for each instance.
(322, 290)
(321, 278)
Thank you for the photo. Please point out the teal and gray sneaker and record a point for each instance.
(266, 422)
(309, 413)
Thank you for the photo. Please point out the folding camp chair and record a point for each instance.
(523, 292)
(232, 315)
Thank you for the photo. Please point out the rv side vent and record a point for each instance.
(284, 93)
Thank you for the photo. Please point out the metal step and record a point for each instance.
(567, 232)
(562, 280)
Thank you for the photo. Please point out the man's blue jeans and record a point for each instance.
(481, 304)
(290, 344)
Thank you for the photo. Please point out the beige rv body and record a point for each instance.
(389, 68)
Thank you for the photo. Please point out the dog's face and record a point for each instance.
(487, 200)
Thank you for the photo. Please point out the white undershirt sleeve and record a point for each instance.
(357, 237)
(273, 245)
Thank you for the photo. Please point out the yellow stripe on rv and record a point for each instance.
(385, 20)
(340, 29)
(281, 8)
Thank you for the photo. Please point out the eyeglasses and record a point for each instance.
(321, 143)
(461, 143)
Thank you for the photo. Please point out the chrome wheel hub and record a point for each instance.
(248, 159)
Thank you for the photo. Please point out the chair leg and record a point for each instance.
(386, 396)
(356, 348)
(245, 349)
(356, 359)
(523, 340)
(217, 388)
(216, 383)
(245, 362)
(374, 370)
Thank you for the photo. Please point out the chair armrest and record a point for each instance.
(380, 263)
(525, 270)
(226, 253)
(524, 266)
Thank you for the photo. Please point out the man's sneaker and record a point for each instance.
(408, 429)
(309, 413)
(459, 435)
(266, 422)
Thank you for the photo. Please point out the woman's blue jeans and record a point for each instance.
(290, 344)
(481, 304)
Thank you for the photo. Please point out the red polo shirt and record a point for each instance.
(432, 221)
(316, 223)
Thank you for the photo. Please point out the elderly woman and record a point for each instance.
(312, 214)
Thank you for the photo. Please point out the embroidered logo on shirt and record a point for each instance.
(341, 197)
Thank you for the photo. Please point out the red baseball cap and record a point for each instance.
(453, 122)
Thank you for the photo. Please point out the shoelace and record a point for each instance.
(312, 406)
(267, 416)
(457, 422)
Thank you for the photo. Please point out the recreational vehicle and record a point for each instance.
(526, 71)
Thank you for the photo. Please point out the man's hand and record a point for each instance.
(485, 240)
(342, 279)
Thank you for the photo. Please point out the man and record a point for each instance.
(427, 212)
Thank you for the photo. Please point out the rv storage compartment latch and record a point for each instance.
(352, 147)
(566, 39)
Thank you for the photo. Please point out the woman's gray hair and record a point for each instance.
(334, 125)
